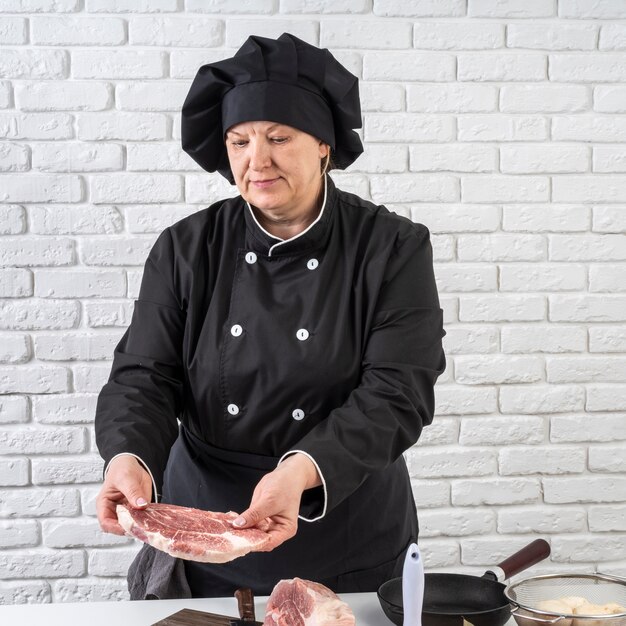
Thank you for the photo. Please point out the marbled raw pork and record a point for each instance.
(298, 602)
(191, 534)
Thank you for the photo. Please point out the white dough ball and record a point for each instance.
(554, 606)
(574, 601)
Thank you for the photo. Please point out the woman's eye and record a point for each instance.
(279, 139)
(238, 143)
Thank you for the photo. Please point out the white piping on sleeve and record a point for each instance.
(319, 471)
(154, 487)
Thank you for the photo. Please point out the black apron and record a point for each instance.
(354, 548)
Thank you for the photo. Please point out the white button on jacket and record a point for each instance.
(297, 414)
(251, 258)
(233, 409)
(302, 334)
(236, 330)
(312, 264)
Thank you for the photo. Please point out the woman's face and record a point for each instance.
(276, 167)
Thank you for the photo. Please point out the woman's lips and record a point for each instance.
(264, 184)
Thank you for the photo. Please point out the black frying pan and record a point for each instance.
(448, 598)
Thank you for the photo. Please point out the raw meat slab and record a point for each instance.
(191, 534)
(299, 602)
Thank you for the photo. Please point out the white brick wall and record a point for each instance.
(497, 123)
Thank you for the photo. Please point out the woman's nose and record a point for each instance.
(259, 155)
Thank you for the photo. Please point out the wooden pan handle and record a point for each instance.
(534, 552)
(245, 603)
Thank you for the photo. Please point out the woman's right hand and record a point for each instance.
(126, 481)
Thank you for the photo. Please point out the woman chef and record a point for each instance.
(294, 331)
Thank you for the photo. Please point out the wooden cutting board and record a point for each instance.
(190, 617)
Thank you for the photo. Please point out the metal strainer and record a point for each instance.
(601, 589)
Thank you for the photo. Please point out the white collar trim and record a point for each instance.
(280, 241)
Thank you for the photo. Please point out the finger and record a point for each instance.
(136, 492)
(107, 517)
(250, 517)
(136, 496)
(137, 501)
(111, 526)
(276, 538)
(126, 476)
(120, 488)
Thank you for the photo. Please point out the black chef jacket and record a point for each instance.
(328, 343)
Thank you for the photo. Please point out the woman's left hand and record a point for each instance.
(276, 499)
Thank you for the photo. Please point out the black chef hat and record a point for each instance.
(284, 80)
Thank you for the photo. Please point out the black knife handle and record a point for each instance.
(245, 602)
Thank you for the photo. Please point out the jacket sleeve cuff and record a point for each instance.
(155, 495)
(314, 501)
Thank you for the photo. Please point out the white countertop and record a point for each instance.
(365, 606)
